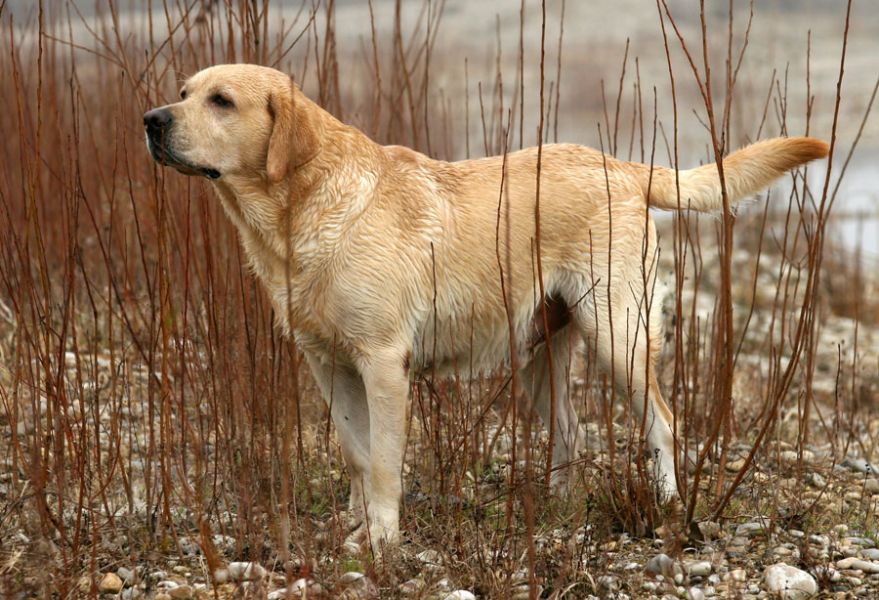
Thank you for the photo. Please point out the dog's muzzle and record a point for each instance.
(158, 123)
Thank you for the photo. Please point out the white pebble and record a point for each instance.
(856, 563)
(789, 583)
(431, 561)
(698, 569)
(245, 571)
(350, 577)
(460, 595)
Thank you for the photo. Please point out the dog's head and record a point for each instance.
(243, 120)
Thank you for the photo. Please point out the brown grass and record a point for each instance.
(147, 400)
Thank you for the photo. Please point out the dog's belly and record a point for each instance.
(461, 351)
(469, 347)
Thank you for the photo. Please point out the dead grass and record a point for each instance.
(148, 404)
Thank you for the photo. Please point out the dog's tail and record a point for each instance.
(746, 172)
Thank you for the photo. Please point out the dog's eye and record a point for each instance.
(221, 101)
(183, 94)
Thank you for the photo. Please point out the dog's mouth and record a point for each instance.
(165, 156)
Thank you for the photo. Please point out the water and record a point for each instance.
(594, 40)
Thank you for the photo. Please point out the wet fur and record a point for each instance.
(384, 263)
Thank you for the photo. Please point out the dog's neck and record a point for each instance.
(276, 222)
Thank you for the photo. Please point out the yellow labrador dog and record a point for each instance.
(385, 263)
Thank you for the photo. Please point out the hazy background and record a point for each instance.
(486, 35)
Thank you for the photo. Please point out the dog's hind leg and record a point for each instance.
(535, 377)
(343, 390)
(618, 332)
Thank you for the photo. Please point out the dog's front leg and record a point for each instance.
(342, 389)
(387, 389)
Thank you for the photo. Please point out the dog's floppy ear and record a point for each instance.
(294, 140)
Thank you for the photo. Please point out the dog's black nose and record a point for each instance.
(157, 119)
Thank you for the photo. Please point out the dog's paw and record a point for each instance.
(378, 535)
(351, 548)
(664, 477)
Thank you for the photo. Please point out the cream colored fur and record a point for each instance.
(385, 263)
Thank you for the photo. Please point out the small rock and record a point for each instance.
(750, 529)
(223, 541)
(411, 587)
(460, 595)
(519, 585)
(738, 575)
(816, 480)
(791, 457)
(734, 466)
(828, 573)
(870, 554)
(860, 565)
(710, 530)
(661, 564)
(221, 576)
(737, 546)
(859, 465)
(871, 486)
(181, 592)
(357, 585)
(431, 561)
(126, 575)
(131, 594)
(297, 588)
(789, 583)
(700, 568)
(609, 584)
(110, 584)
(242, 571)
(695, 593)
(189, 546)
(350, 577)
